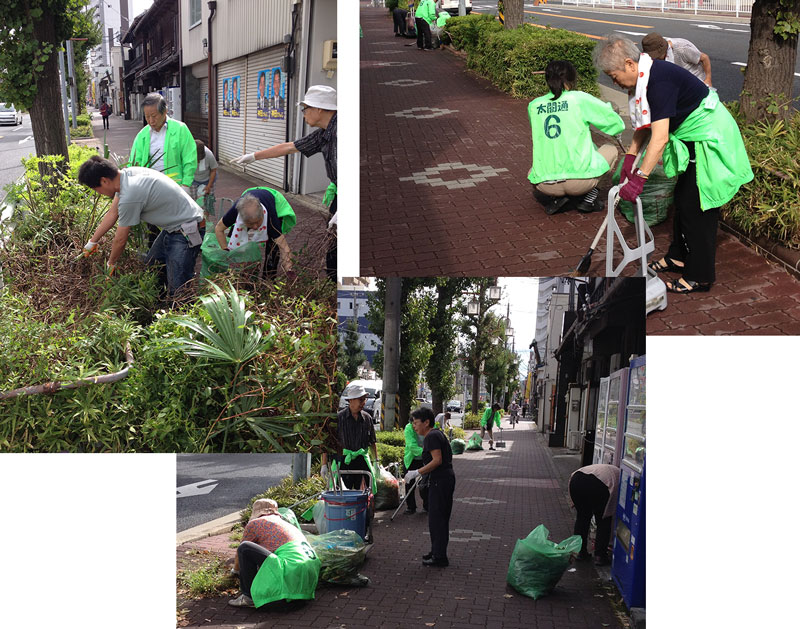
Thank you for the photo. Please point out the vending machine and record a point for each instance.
(611, 404)
(628, 563)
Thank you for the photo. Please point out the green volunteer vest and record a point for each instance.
(426, 11)
(290, 573)
(349, 455)
(722, 162)
(485, 421)
(562, 141)
(413, 449)
(282, 208)
(180, 152)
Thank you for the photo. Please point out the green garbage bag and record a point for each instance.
(656, 196)
(288, 516)
(475, 442)
(215, 260)
(458, 446)
(341, 554)
(537, 563)
(290, 573)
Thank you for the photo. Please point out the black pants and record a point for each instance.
(694, 231)
(353, 481)
(423, 33)
(399, 17)
(105, 122)
(590, 497)
(251, 556)
(440, 505)
(411, 501)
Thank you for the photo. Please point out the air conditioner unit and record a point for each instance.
(574, 440)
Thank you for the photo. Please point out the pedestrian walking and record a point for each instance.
(437, 458)
(105, 112)
(697, 140)
(274, 561)
(490, 417)
(514, 410)
(424, 16)
(412, 459)
(679, 51)
(593, 492)
(566, 164)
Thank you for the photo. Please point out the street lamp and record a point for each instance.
(473, 307)
(494, 292)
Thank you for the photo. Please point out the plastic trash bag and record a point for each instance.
(458, 446)
(656, 196)
(319, 517)
(215, 260)
(341, 554)
(388, 494)
(475, 442)
(537, 563)
(288, 516)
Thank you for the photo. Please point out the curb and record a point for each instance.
(223, 525)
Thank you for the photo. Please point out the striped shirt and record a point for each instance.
(321, 141)
(351, 433)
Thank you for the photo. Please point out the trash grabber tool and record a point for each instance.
(403, 501)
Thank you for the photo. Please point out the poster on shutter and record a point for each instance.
(235, 97)
(277, 95)
(226, 104)
(262, 97)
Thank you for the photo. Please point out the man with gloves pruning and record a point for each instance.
(437, 459)
(319, 110)
(490, 416)
(412, 459)
(147, 196)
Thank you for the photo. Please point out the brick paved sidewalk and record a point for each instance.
(500, 497)
(494, 226)
(312, 217)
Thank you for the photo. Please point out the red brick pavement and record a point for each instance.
(529, 487)
(496, 227)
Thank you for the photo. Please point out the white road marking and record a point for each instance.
(195, 489)
(739, 63)
(632, 33)
(712, 27)
(30, 137)
(736, 30)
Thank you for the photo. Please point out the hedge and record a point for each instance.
(509, 58)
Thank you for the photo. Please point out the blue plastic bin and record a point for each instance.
(346, 510)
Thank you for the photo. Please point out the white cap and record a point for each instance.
(322, 96)
(354, 391)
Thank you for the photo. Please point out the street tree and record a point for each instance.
(415, 351)
(479, 331)
(769, 76)
(351, 350)
(514, 13)
(442, 366)
(31, 32)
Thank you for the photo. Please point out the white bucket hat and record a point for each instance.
(353, 392)
(322, 96)
(263, 506)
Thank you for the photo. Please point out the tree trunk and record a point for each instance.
(769, 75)
(47, 122)
(514, 13)
(437, 401)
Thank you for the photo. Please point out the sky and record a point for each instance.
(140, 6)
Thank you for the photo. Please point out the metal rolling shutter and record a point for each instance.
(230, 132)
(262, 134)
(203, 102)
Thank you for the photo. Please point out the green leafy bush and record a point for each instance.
(287, 493)
(207, 580)
(83, 120)
(391, 437)
(458, 433)
(389, 454)
(769, 206)
(471, 421)
(81, 131)
(467, 32)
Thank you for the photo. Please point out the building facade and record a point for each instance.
(106, 62)
(352, 303)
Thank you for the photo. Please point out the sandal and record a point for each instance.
(688, 286)
(668, 265)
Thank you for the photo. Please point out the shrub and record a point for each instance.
(287, 493)
(768, 206)
(458, 433)
(84, 120)
(391, 437)
(471, 421)
(208, 580)
(389, 454)
(81, 131)
(466, 32)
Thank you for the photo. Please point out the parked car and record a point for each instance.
(451, 6)
(454, 406)
(373, 403)
(9, 114)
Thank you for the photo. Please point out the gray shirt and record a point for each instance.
(685, 54)
(205, 166)
(146, 195)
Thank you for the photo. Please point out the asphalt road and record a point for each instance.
(16, 142)
(724, 39)
(238, 478)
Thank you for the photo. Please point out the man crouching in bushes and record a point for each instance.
(145, 195)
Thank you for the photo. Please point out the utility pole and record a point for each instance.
(391, 351)
(64, 92)
(72, 84)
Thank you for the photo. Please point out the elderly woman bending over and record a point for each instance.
(698, 140)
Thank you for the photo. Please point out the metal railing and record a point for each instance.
(736, 8)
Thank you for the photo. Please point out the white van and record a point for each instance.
(373, 403)
(451, 6)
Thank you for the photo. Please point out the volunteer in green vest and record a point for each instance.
(438, 27)
(165, 144)
(490, 417)
(274, 560)
(412, 459)
(424, 16)
(259, 215)
(697, 139)
(566, 164)
(319, 110)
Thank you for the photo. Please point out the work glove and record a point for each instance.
(110, 268)
(627, 167)
(410, 476)
(244, 159)
(632, 189)
(89, 248)
(333, 222)
(201, 190)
